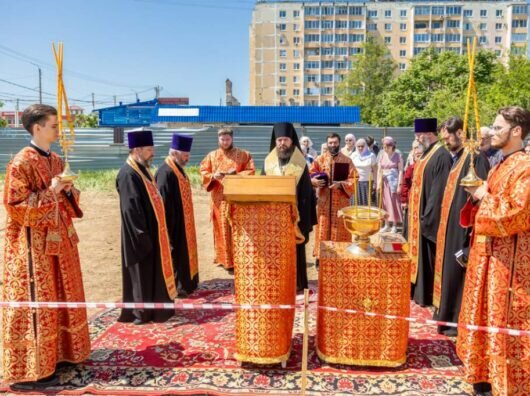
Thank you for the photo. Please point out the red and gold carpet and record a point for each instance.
(193, 355)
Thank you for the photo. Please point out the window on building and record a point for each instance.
(482, 40)
(327, 78)
(311, 78)
(420, 25)
(341, 51)
(519, 9)
(283, 27)
(296, 53)
(283, 13)
(402, 53)
(312, 38)
(437, 38)
(418, 50)
(356, 24)
(327, 38)
(296, 40)
(341, 24)
(327, 91)
(342, 10)
(437, 10)
(388, 13)
(372, 13)
(402, 66)
(518, 50)
(356, 10)
(296, 27)
(312, 91)
(436, 25)
(296, 13)
(312, 11)
(328, 10)
(403, 13)
(498, 26)
(312, 65)
(467, 26)
(498, 53)
(422, 10)
(356, 51)
(296, 92)
(371, 26)
(453, 10)
(388, 39)
(388, 27)
(310, 25)
(283, 66)
(341, 38)
(498, 13)
(402, 26)
(483, 26)
(498, 39)
(327, 64)
(483, 13)
(339, 77)
(421, 38)
(295, 79)
(283, 40)
(468, 13)
(519, 23)
(283, 53)
(452, 38)
(283, 79)
(327, 24)
(518, 37)
(402, 40)
(452, 23)
(327, 51)
(283, 92)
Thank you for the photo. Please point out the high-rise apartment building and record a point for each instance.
(301, 50)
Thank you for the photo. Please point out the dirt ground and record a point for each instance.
(99, 247)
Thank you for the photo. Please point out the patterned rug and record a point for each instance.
(192, 354)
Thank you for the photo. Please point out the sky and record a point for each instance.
(123, 47)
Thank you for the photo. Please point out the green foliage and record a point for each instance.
(3, 123)
(371, 74)
(86, 121)
(435, 85)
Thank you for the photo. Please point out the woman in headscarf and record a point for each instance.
(307, 149)
(349, 146)
(406, 183)
(389, 179)
(366, 164)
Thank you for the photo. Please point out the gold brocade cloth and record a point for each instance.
(264, 247)
(379, 284)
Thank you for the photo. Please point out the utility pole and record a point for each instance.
(93, 101)
(137, 99)
(40, 85)
(114, 100)
(16, 114)
(158, 88)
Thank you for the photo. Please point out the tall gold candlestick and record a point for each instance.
(369, 194)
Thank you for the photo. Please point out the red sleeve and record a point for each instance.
(406, 183)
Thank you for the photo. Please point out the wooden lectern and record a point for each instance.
(263, 213)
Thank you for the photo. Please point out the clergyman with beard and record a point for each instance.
(286, 159)
(333, 176)
(226, 160)
(147, 269)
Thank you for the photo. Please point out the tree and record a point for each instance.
(3, 123)
(86, 121)
(435, 85)
(371, 74)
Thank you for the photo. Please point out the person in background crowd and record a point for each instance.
(406, 183)
(527, 148)
(307, 149)
(349, 145)
(390, 166)
(366, 165)
(372, 145)
(494, 156)
(323, 148)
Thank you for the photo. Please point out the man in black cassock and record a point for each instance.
(142, 275)
(175, 189)
(437, 162)
(452, 237)
(287, 154)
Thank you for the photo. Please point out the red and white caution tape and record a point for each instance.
(493, 330)
(230, 306)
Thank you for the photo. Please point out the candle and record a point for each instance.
(355, 196)
(369, 194)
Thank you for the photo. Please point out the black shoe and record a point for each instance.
(230, 271)
(482, 389)
(51, 380)
(61, 365)
(181, 293)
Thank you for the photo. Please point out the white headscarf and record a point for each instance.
(366, 150)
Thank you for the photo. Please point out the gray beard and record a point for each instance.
(285, 155)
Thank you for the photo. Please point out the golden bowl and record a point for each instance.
(361, 222)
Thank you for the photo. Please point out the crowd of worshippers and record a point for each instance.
(469, 247)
